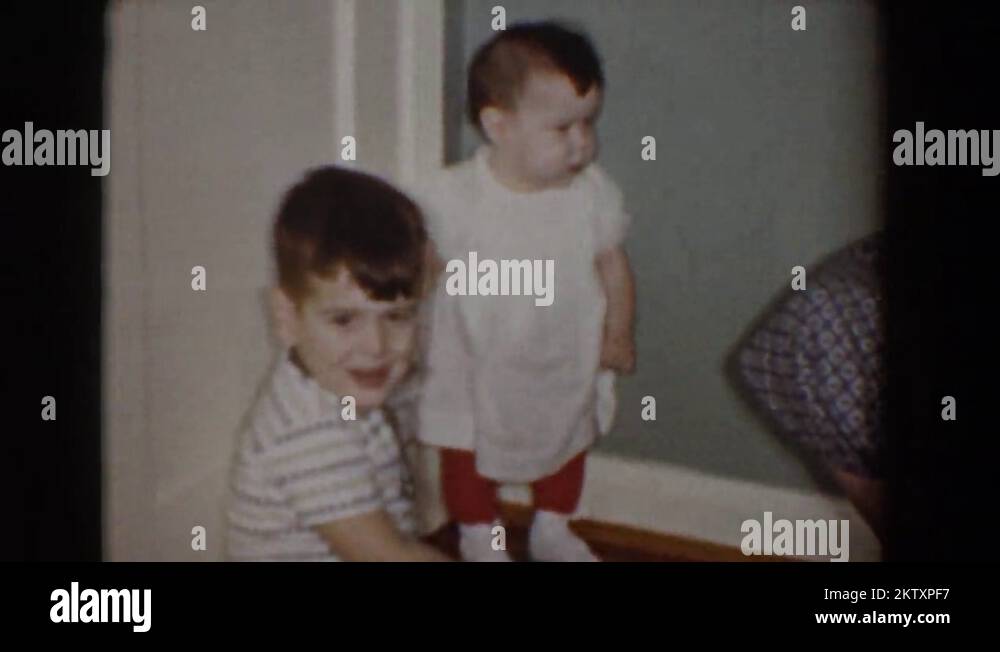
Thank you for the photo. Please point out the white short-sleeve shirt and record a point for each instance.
(509, 379)
(299, 464)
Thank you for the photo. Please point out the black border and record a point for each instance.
(53, 76)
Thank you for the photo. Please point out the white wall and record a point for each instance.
(208, 128)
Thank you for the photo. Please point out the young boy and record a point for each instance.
(512, 383)
(311, 482)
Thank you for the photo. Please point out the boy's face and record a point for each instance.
(549, 137)
(350, 344)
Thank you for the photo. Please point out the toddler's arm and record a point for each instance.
(373, 537)
(618, 348)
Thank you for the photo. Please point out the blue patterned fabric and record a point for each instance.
(815, 364)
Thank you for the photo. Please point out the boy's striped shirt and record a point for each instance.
(300, 464)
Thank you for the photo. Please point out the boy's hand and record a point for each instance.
(618, 354)
(374, 537)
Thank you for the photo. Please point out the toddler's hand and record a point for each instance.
(618, 354)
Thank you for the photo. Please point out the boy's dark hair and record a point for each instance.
(337, 218)
(501, 66)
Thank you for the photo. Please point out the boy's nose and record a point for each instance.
(375, 338)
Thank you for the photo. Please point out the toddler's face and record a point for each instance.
(351, 344)
(550, 136)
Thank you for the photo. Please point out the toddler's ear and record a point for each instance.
(284, 316)
(493, 121)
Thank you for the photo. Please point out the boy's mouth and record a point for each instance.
(370, 378)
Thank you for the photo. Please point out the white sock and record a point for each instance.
(475, 542)
(551, 539)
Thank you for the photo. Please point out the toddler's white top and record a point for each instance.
(509, 379)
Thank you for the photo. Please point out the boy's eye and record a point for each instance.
(403, 314)
(342, 318)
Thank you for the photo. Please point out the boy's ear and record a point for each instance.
(494, 123)
(285, 317)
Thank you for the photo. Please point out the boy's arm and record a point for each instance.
(373, 537)
(618, 348)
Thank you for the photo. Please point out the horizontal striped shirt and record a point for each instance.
(300, 465)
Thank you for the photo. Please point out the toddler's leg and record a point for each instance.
(471, 500)
(556, 498)
(470, 497)
(560, 492)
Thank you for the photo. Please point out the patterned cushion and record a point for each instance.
(815, 363)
